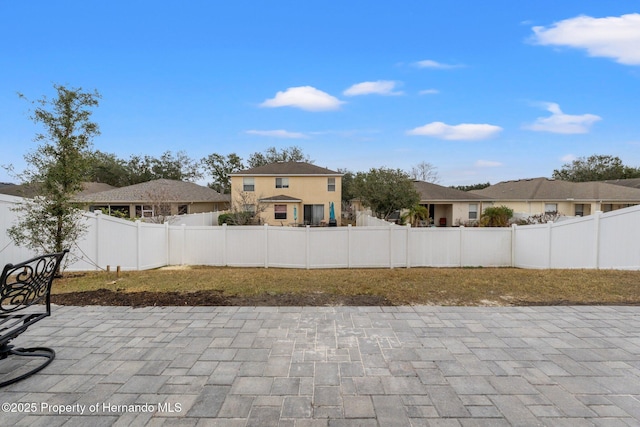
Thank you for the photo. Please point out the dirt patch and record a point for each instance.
(212, 298)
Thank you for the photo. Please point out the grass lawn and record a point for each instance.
(432, 286)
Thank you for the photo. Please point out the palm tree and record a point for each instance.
(415, 214)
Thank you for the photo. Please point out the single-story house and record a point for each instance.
(153, 198)
(449, 206)
(289, 193)
(543, 195)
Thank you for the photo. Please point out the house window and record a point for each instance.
(473, 211)
(331, 184)
(183, 209)
(248, 184)
(144, 211)
(550, 207)
(282, 182)
(579, 209)
(607, 207)
(280, 211)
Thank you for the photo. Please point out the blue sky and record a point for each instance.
(484, 91)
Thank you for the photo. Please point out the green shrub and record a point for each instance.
(497, 216)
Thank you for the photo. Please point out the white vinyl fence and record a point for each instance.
(206, 218)
(608, 241)
(604, 240)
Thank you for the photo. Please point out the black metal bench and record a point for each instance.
(25, 298)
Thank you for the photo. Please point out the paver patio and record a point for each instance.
(332, 366)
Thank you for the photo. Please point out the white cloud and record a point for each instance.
(279, 133)
(380, 87)
(487, 164)
(568, 158)
(616, 37)
(461, 132)
(429, 92)
(304, 97)
(428, 63)
(559, 122)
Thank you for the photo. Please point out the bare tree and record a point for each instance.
(247, 208)
(159, 207)
(424, 171)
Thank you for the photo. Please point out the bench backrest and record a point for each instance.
(28, 283)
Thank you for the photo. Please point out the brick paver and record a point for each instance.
(332, 366)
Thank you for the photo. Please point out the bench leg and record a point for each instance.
(44, 352)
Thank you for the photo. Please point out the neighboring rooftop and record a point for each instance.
(631, 182)
(169, 190)
(546, 189)
(437, 193)
(30, 190)
(289, 169)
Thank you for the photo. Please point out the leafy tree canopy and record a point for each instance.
(273, 155)
(109, 169)
(595, 168)
(385, 190)
(219, 167)
(472, 187)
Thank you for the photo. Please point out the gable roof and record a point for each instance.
(288, 169)
(437, 193)
(545, 189)
(167, 189)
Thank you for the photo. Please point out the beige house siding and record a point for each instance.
(531, 196)
(300, 190)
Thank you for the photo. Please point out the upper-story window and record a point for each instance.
(248, 184)
(331, 184)
(282, 182)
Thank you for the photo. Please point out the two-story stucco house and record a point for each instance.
(292, 193)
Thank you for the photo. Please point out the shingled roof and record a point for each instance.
(288, 169)
(169, 190)
(31, 190)
(545, 189)
(437, 193)
(630, 182)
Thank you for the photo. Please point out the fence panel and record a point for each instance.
(485, 247)
(9, 252)
(329, 247)
(434, 247)
(369, 247)
(152, 246)
(619, 239)
(287, 247)
(201, 245)
(531, 246)
(573, 243)
(246, 246)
